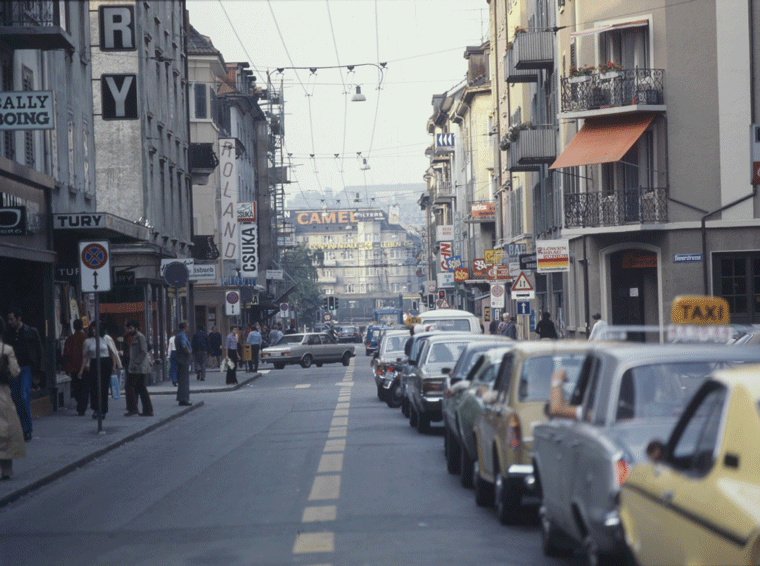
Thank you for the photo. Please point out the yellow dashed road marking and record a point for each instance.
(314, 542)
(330, 463)
(325, 487)
(321, 513)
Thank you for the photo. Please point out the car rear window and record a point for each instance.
(442, 355)
(395, 344)
(457, 324)
(536, 374)
(348, 329)
(290, 339)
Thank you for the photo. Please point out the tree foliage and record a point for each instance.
(302, 264)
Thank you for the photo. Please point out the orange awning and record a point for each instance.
(613, 27)
(603, 140)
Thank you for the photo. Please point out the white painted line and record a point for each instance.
(303, 385)
(314, 542)
(337, 432)
(344, 383)
(335, 445)
(339, 421)
(342, 406)
(321, 513)
(325, 487)
(340, 413)
(330, 463)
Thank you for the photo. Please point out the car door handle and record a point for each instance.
(667, 495)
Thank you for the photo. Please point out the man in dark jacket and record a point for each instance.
(200, 351)
(510, 330)
(27, 346)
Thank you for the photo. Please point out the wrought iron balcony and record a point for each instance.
(532, 147)
(443, 193)
(35, 24)
(533, 50)
(628, 206)
(630, 87)
(203, 161)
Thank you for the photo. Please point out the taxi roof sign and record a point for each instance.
(701, 310)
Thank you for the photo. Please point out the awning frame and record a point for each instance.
(610, 27)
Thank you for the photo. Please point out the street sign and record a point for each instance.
(522, 289)
(176, 274)
(232, 303)
(430, 286)
(497, 296)
(327, 317)
(528, 262)
(284, 307)
(523, 307)
(95, 266)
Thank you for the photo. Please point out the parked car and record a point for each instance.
(452, 320)
(702, 487)
(305, 349)
(349, 334)
(473, 375)
(372, 336)
(502, 433)
(627, 394)
(390, 354)
(426, 378)
(418, 341)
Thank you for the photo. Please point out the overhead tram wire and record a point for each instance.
(240, 41)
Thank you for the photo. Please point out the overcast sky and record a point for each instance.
(422, 42)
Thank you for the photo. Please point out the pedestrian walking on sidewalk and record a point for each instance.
(107, 363)
(230, 348)
(11, 434)
(184, 355)
(139, 368)
(214, 348)
(200, 351)
(254, 341)
(173, 359)
(72, 363)
(27, 345)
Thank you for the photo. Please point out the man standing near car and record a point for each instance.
(254, 341)
(27, 346)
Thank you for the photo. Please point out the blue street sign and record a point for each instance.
(532, 321)
(523, 307)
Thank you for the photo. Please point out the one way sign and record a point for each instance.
(444, 140)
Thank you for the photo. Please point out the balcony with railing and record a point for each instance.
(618, 208)
(36, 24)
(514, 75)
(530, 146)
(443, 193)
(533, 50)
(627, 90)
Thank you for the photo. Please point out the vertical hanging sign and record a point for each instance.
(229, 197)
(249, 240)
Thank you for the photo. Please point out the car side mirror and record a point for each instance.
(656, 451)
(446, 371)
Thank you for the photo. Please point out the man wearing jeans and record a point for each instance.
(254, 341)
(139, 367)
(27, 346)
(200, 351)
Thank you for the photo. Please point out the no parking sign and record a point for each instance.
(232, 303)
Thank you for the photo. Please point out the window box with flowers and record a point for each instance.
(580, 74)
(610, 70)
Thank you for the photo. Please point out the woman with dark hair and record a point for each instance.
(108, 359)
(545, 327)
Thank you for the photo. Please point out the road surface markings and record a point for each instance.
(314, 542)
(337, 432)
(325, 487)
(335, 445)
(342, 406)
(339, 421)
(330, 463)
(340, 413)
(303, 386)
(319, 513)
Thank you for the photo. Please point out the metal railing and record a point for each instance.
(42, 13)
(534, 50)
(620, 88)
(628, 206)
(534, 146)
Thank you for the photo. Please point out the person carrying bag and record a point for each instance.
(12, 444)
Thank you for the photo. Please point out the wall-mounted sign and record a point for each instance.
(552, 256)
(639, 259)
(479, 268)
(117, 28)
(444, 233)
(483, 211)
(445, 255)
(13, 221)
(461, 274)
(229, 192)
(527, 262)
(445, 280)
(686, 258)
(274, 274)
(444, 141)
(118, 95)
(124, 278)
(246, 212)
(454, 262)
(203, 272)
(27, 110)
(249, 250)
(493, 257)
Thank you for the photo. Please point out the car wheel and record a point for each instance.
(278, 365)
(507, 499)
(483, 488)
(346, 359)
(423, 423)
(405, 407)
(306, 361)
(452, 454)
(394, 397)
(412, 416)
(465, 466)
(550, 538)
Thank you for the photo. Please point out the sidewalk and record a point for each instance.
(64, 441)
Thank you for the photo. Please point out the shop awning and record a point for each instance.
(613, 27)
(603, 140)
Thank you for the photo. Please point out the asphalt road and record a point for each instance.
(301, 467)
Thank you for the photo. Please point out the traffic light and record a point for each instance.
(331, 303)
(431, 301)
(324, 303)
(337, 303)
(441, 294)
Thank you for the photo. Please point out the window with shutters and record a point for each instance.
(200, 101)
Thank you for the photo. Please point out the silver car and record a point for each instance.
(628, 394)
(306, 349)
(390, 356)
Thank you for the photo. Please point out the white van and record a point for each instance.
(452, 320)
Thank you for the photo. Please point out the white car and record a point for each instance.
(306, 349)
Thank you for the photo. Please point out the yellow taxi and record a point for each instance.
(698, 500)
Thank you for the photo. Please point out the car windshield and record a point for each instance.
(395, 344)
(536, 374)
(660, 390)
(290, 339)
(348, 330)
(457, 324)
(443, 355)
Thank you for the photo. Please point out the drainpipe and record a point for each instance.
(704, 232)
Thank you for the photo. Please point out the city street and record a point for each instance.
(298, 467)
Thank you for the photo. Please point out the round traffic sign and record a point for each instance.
(94, 256)
(327, 317)
(431, 288)
(284, 307)
(497, 290)
(233, 297)
(176, 274)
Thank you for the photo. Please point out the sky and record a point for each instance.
(422, 44)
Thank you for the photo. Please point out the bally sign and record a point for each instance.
(26, 110)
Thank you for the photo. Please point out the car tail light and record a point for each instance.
(513, 432)
(379, 371)
(621, 471)
(390, 368)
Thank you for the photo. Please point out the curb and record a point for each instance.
(214, 390)
(90, 457)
